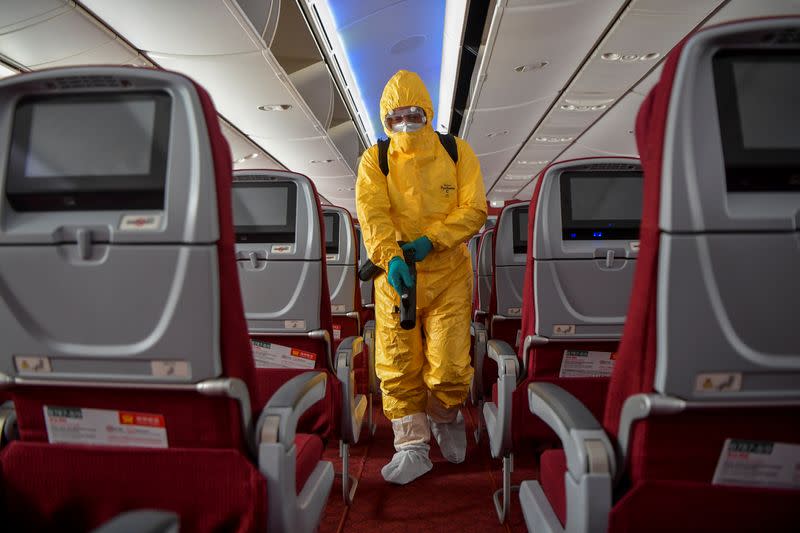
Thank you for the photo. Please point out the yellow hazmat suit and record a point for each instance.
(425, 194)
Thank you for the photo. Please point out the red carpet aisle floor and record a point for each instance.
(450, 498)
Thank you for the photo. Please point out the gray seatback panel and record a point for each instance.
(578, 292)
(281, 291)
(509, 265)
(341, 266)
(728, 285)
(122, 300)
(485, 271)
(367, 297)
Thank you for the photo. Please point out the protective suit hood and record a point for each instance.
(403, 89)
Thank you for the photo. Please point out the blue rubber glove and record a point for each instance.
(422, 247)
(399, 275)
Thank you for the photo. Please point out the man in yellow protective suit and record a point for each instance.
(434, 205)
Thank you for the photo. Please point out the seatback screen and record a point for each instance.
(89, 152)
(601, 206)
(759, 113)
(264, 212)
(331, 233)
(520, 230)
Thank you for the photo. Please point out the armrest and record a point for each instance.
(498, 417)
(278, 420)
(586, 445)
(8, 423)
(369, 341)
(478, 331)
(142, 521)
(353, 406)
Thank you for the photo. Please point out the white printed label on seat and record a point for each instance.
(271, 355)
(338, 308)
(586, 364)
(753, 463)
(104, 427)
(337, 332)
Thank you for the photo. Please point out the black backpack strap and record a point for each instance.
(449, 143)
(383, 155)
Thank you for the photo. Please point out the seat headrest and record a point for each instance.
(586, 205)
(275, 215)
(731, 150)
(340, 240)
(113, 153)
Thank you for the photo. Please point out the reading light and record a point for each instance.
(573, 107)
(628, 58)
(245, 158)
(525, 162)
(275, 107)
(497, 133)
(321, 161)
(532, 66)
(343, 189)
(553, 139)
(516, 178)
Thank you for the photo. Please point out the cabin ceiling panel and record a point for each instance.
(558, 33)
(614, 135)
(297, 155)
(493, 163)
(742, 9)
(499, 128)
(65, 35)
(20, 14)
(113, 52)
(239, 84)
(244, 152)
(180, 27)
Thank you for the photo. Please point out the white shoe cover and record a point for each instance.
(452, 438)
(408, 464)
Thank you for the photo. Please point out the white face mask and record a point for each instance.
(407, 127)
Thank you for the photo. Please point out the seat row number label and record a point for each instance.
(104, 427)
(753, 463)
(586, 364)
(271, 355)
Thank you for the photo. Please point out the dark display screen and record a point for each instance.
(601, 206)
(759, 113)
(331, 232)
(264, 212)
(89, 152)
(520, 230)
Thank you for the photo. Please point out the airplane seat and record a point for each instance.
(485, 273)
(472, 247)
(700, 424)
(484, 370)
(125, 347)
(582, 236)
(508, 270)
(282, 268)
(341, 248)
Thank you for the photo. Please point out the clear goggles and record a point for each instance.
(405, 115)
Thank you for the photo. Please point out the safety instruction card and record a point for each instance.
(586, 364)
(758, 464)
(104, 427)
(271, 355)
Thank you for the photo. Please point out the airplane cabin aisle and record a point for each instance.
(448, 498)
